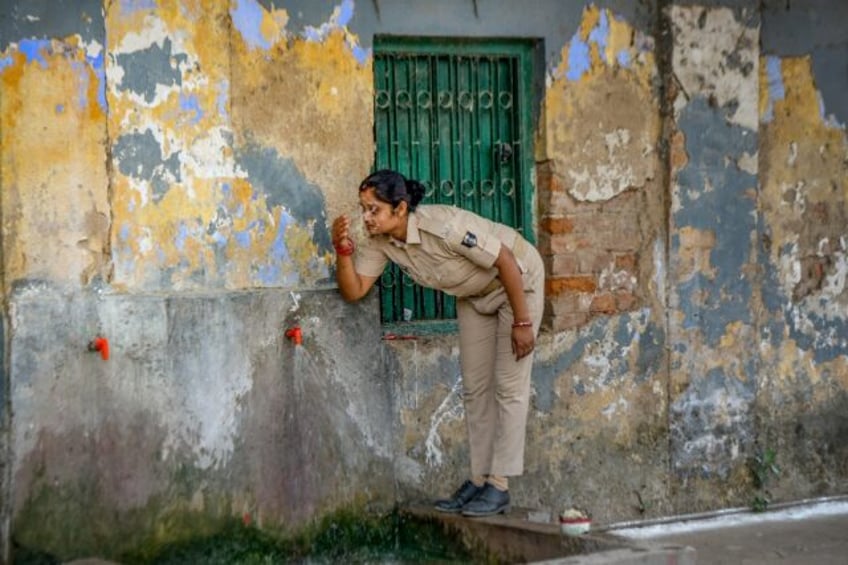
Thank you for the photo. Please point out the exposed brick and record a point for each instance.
(568, 321)
(558, 285)
(603, 304)
(618, 240)
(561, 244)
(557, 203)
(562, 265)
(592, 223)
(626, 262)
(568, 302)
(557, 224)
(593, 261)
(625, 301)
(560, 314)
(626, 203)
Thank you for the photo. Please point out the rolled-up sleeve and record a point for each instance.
(370, 261)
(475, 238)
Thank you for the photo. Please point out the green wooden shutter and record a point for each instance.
(454, 115)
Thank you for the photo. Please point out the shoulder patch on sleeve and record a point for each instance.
(469, 240)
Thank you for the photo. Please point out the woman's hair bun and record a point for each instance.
(415, 190)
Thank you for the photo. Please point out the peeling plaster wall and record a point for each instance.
(169, 172)
(714, 218)
(157, 177)
(804, 242)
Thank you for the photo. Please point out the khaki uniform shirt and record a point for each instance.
(446, 248)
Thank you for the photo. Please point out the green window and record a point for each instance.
(455, 115)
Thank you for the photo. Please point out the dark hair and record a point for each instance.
(392, 187)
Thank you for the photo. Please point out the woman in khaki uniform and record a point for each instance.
(497, 278)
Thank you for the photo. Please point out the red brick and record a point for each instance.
(593, 261)
(603, 304)
(626, 262)
(565, 264)
(618, 240)
(562, 244)
(557, 225)
(625, 301)
(558, 285)
(592, 222)
(567, 303)
(568, 321)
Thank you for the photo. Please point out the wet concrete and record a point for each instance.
(806, 534)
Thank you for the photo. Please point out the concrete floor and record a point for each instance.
(808, 534)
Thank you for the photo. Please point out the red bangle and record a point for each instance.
(345, 250)
(522, 324)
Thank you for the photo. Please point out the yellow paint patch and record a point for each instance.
(54, 173)
(802, 170)
(798, 150)
(313, 103)
(620, 39)
(591, 18)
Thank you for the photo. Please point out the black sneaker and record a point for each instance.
(488, 501)
(460, 498)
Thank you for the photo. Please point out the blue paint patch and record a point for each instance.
(242, 238)
(60, 108)
(99, 68)
(579, 60)
(591, 341)
(191, 104)
(600, 33)
(345, 12)
(131, 6)
(139, 155)
(312, 34)
(826, 339)
(545, 374)
(361, 54)
(726, 209)
(32, 48)
(81, 71)
(711, 422)
(283, 185)
(182, 235)
(5, 62)
(279, 251)
(247, 16)
(146, 68)
(219, 239)
(776, 90)
(124, 232)
(651, 352)
(268, 274)
(623, 58)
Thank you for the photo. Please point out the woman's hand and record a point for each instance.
(523, 341)
(341, 232)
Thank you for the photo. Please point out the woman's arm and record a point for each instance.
(352, 285)
(523, 337)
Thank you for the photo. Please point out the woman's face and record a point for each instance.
(380, 218)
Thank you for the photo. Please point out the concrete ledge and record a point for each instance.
(528, 536)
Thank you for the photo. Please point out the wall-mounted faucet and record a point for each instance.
(295, 334)
(100, 344)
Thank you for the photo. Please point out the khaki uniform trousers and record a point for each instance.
(496, 387)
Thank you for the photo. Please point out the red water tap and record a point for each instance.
(295, 334)
(100, 344)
